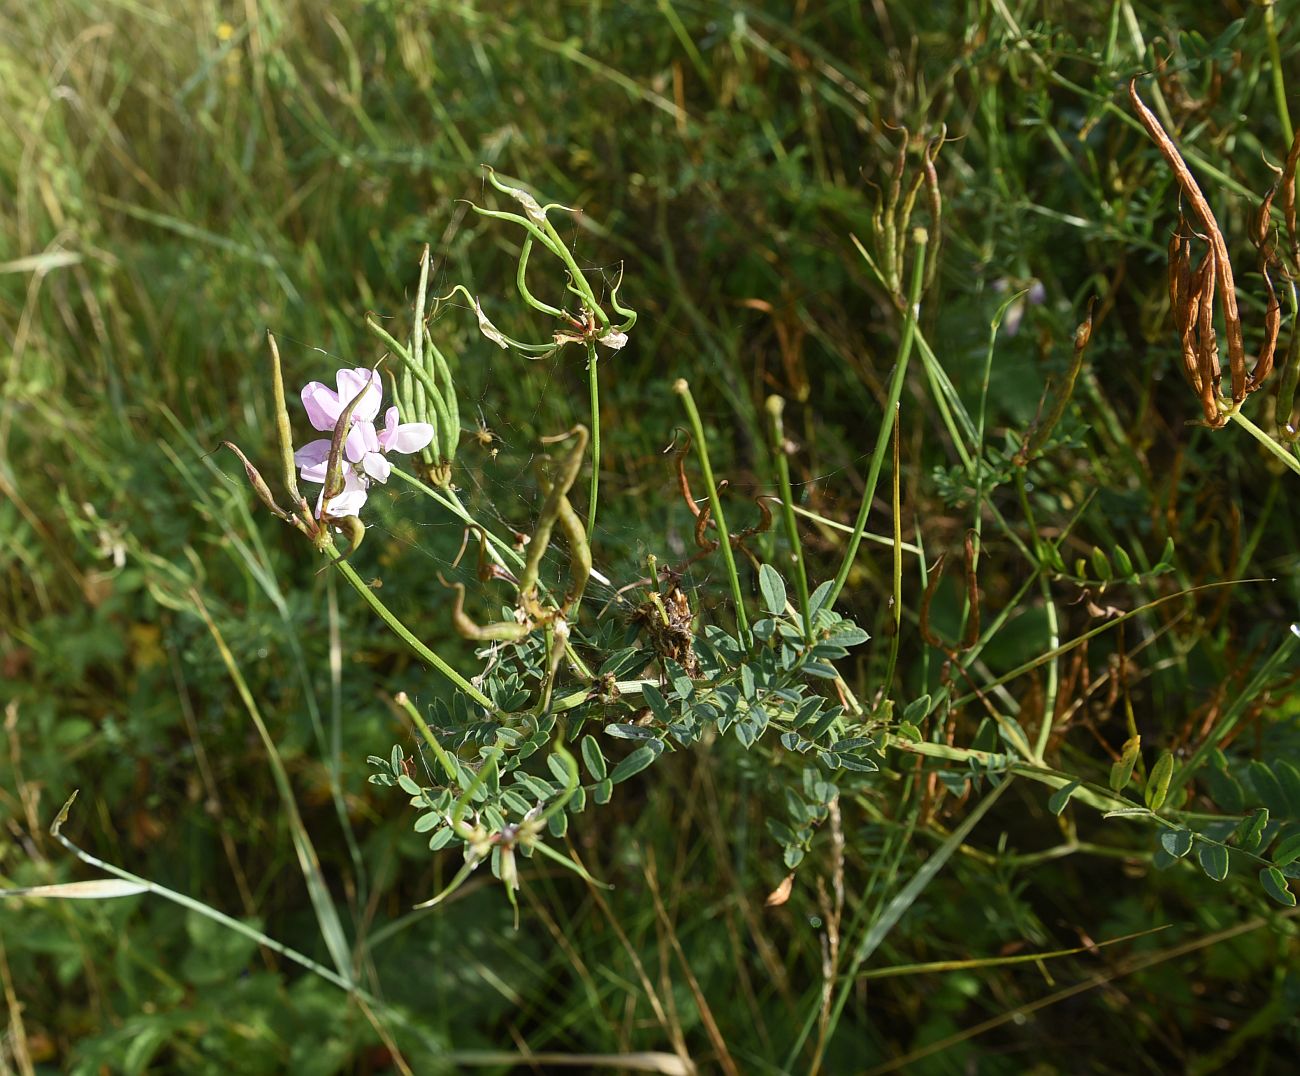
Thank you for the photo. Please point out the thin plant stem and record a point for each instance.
(448, 765)
(335, 753)
(1053, 624)
(593, 384)
(920, 238)
(227, 921)
(1052, 687)
(845, 528)
(402, 632)
(715, 502)
(775, 405)
(1281, 658)
(1275, 69)
(1264, 439)
(646, 1061)
(897, 594)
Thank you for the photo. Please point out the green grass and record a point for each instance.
(177, 180)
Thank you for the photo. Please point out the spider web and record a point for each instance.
(508, 403)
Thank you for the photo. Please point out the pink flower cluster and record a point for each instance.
(366, 449)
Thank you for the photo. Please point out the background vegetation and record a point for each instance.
(177, 178)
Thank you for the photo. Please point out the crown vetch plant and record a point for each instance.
(658, 682)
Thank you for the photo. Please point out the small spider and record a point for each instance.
(484, 437)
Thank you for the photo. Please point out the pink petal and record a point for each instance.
(316, 472)
(351, 382)
(312, 452)
(322, 404)
(408, 437)
(361, 439)
(349, 502)
(313, 459)
(376, 467)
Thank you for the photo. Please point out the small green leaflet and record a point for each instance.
(1274, 883)
(772, 587)
(1214, 860)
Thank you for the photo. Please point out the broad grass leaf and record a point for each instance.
(96, 889)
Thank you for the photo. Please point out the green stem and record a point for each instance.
(593, 383)
(683, 389)
(891, 411)
(1092, 794)
(1053, 623)
(327, 916)
(1052, 686)
(775, 405)
(1275, 65)
(402, 632)
(1265, 440)
(897, 612)
(417, 719)
(498, 548)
